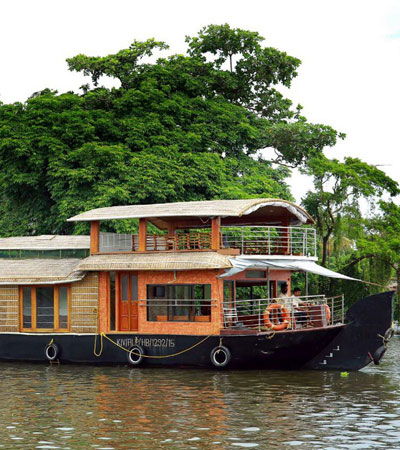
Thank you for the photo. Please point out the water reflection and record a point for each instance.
(74, 407)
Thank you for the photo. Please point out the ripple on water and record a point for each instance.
(172, 408)
(245, 444)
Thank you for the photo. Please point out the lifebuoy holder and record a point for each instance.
(280, 321)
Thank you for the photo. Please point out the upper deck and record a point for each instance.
(233, 227)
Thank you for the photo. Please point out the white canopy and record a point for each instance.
(241, 263)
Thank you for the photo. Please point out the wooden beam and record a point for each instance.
(142, 234)
(94, 236)
(103, 311)
(215, 233)
(179, 224)
(171, 229)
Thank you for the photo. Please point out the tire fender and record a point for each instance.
(220, 356)
(135, 355)
(378, 354)
(52, 351)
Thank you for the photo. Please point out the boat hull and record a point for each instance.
(283, 350)
(362, 341)
(350, 346)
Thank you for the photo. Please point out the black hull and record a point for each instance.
(361, 340)
(342, 347)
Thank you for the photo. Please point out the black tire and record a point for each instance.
(52, 352)
(135, 355)
(378, 355)
(220, 356)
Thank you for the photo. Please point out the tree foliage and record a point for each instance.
(180, 127)
(381, 241)
(339, 186)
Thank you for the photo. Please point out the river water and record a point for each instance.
(78, 407)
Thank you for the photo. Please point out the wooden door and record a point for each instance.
(128, 303)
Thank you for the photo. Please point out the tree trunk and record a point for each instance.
(325, 240)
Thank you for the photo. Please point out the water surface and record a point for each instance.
(81, 407)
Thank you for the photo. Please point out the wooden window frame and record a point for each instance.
(192, 285)
(56, 300)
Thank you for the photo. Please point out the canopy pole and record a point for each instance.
(306, 276)
(268, 283)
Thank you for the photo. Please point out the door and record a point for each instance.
(128, 302)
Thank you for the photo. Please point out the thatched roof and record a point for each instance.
(156, 261)
(39, 271)
(263, 210)
(45, 242)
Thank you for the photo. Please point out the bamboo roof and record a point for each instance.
(263, 209)
(39, 271)
(45, 242)
(156, 261)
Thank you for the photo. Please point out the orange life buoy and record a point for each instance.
(327, 313)
(280, 323)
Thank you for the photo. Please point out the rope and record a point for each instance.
(270, 336)
(96, 317)
(95, 346)
(103, 335)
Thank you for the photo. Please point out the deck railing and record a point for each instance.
(313, 311)
(271, 240)
(268, 240)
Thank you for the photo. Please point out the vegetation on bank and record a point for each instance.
(208, 124)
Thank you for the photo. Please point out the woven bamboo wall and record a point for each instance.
(9, 307)
(84, 304)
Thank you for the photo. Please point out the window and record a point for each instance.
(256, 274)
(179, 303)
(45, 308)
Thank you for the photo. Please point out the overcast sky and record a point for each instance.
(350, 53)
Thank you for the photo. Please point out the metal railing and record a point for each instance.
(298, 312)
(179, 310)
(115, 242)
(271, 240)
(267, 240)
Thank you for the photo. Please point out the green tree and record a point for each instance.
(338, 188)
(182, 127)
(381, 241)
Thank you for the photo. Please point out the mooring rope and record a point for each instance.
(103, 335)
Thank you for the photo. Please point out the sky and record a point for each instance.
(350, 53)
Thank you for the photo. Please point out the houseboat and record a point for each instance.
(204, 283)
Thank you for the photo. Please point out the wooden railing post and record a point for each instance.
(171, 238)
(142, 235)
(94, 236)
(215, 233)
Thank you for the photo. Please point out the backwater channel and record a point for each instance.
(81, 407)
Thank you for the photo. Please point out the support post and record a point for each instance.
(94, 236)
(215, 233)
(142, 235)
(171, 243)
(285, 239)
(306, 276)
